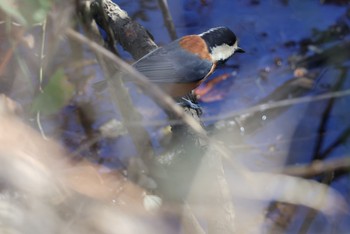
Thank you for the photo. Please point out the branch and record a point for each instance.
(338, 141)
(132, 36)
(318, 167)
(163, 4)
(317, 155)
(279, 104)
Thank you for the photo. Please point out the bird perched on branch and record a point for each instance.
(179, 67)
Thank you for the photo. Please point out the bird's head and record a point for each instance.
(222, 43)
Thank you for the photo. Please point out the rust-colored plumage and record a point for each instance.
(182, 65)
(195, 45)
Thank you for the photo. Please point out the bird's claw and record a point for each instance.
(184, 102)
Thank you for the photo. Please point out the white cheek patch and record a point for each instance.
(223, 52)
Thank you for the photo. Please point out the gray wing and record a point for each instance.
(171, 64)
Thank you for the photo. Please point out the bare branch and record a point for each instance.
(318, 167)
(283, 103)
(163, 4)
(256, 108)
(132, 36)
(317, 153)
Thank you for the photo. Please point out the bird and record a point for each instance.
(182, 65)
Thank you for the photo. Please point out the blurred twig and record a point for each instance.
(311, 215)
(222, 214)
(282, 103)
(42, 55)
(108, 15)
(111, 42)
(41, 76)
(5, 60)
(336, 54)
(190, 224)
(339, 140)
(254, 109)
(120, 96)
(15, 37)
(163, 4)
(318, 167)
(325, 117)
(294, 87)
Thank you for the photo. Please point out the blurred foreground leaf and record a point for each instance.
(26, 12)
(9, 8)
(56, 95)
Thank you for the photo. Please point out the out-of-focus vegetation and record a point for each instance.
(27, 12)
(79, 157)
(56, 94)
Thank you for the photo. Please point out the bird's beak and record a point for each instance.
(239, 50)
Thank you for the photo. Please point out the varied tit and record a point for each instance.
(179, 67)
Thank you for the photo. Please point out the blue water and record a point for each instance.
(263, 30)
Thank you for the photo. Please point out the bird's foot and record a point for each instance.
(184, 102)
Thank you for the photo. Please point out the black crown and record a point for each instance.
(219, 36)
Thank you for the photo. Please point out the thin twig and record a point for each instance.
(340, 140)
(325, 118)
(40, 127)
(257, 108)
(283, 103)
(5, 60)
(163, 4)
(318, 167)
(42, 49)
(139, 134)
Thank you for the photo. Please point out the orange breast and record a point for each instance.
(195, 45)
